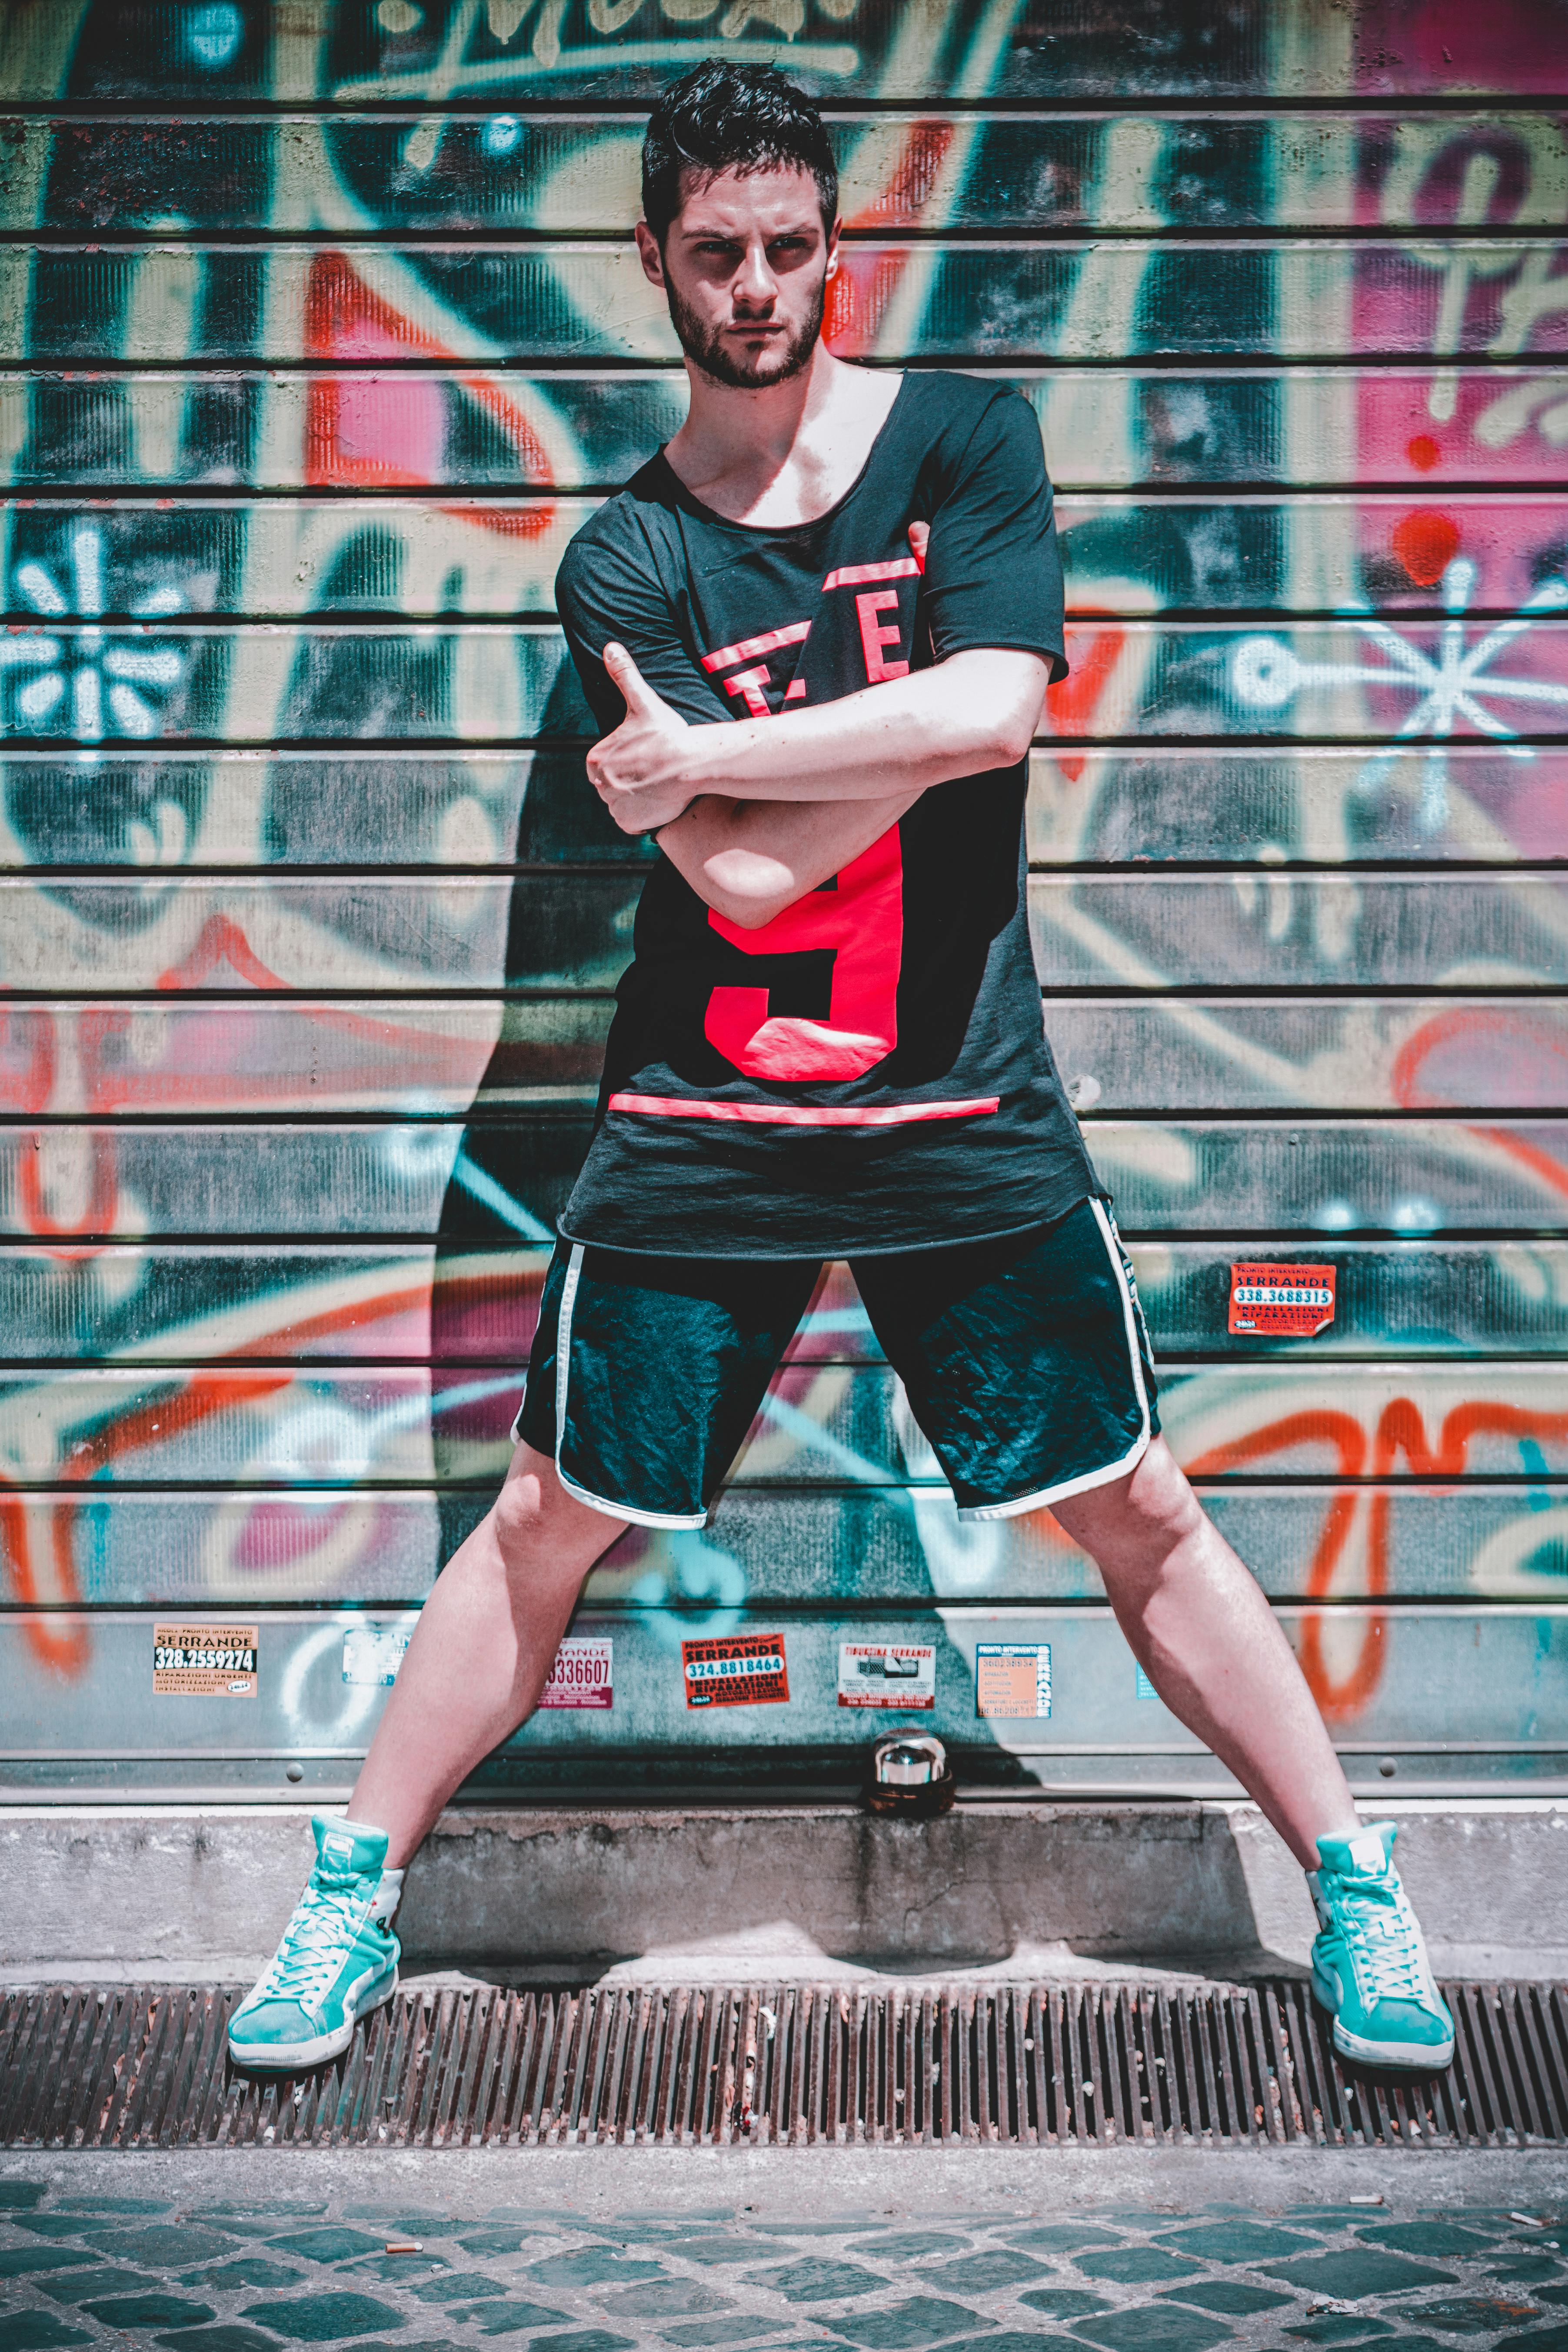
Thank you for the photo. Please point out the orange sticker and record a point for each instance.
(205, 1661)
(1282, 1302)
(1012, 1678)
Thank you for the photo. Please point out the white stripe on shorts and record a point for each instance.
(563, 1383)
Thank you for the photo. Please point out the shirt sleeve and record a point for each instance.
(608, 591)
(992, 574)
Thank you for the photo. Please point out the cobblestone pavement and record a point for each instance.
(203, 2271)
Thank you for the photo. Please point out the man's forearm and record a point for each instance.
(751, 860)
(973, 712)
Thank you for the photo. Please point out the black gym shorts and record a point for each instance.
(1024, 1360)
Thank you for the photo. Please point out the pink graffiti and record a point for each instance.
(383, 437)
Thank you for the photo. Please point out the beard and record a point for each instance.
(704, 346)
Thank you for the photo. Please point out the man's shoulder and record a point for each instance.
(943, 398)
(958, 422)
(627, 528)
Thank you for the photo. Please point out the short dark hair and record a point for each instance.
(722, 117)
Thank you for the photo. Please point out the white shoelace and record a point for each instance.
(314, 1945)
(1385, 1942)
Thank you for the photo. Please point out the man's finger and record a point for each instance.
(624, 673)
(919, 540)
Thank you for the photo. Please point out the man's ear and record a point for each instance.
(651, 257)
(833, 236)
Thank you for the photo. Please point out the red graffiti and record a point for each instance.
(221, 941)
(172, 1413)
(1071, 704)
(68, 1652)
(1400, 1430)
(868, 277)
(1425, 543)
(1470, 1054)
(1511, 1055)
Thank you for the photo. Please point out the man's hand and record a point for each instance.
(640, 772)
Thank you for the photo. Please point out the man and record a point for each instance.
(816, 630)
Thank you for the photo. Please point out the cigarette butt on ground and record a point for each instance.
(404, 2246)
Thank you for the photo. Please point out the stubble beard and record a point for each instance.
(704, 346)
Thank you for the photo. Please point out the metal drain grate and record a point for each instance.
(711, 2065)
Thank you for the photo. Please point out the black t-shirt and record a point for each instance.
(867, 1072)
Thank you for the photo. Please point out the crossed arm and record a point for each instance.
(755, 812)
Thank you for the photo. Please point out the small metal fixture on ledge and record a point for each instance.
(911, 1776)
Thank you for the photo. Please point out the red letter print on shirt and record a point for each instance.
(862, 921)
(875, 639)
(751, 686)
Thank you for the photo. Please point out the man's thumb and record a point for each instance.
(624, 673)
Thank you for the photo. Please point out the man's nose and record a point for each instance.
(755, 284)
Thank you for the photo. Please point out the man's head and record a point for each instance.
(740, 204)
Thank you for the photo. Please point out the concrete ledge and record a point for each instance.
(914, 2184)
(185, 1893)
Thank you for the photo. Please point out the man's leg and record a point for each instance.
(481, 1650)
(644, 1377)
(1211, 1645)
(479, 1659)
(1027, 1365)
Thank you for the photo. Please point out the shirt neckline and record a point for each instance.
(688, 497)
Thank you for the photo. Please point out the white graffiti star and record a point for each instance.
(93, 682)
(1456, 686)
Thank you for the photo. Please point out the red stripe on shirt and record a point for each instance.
(762, 644)
(851, 575)
(793, 1115)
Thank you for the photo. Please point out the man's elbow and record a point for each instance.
(748, 910)
(747, 888)
(1001, 698)
(1008, 739)
(1019, 717)
(746, 885)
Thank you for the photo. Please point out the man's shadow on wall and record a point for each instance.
(517, 1160)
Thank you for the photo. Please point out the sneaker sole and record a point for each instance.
(282, 2057)
(1428, 2058)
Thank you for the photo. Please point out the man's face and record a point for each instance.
(746, 266)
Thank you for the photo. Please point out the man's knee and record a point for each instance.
(1144, 1515)
(1159, 1494)
(533, 1515)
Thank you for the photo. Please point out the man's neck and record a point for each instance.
(786, 452)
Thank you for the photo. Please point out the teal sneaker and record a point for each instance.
(1370, 1967)
(338, 1959)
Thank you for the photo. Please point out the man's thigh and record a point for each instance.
(1025, 1360)
(647, 1372)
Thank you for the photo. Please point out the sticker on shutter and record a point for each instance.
(736, 1670)
(206, 1661)
(1282, 1302)
(1012, 1678)
(886, 1674)
(583, 1674)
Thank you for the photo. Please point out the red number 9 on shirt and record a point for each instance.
(861, 921)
